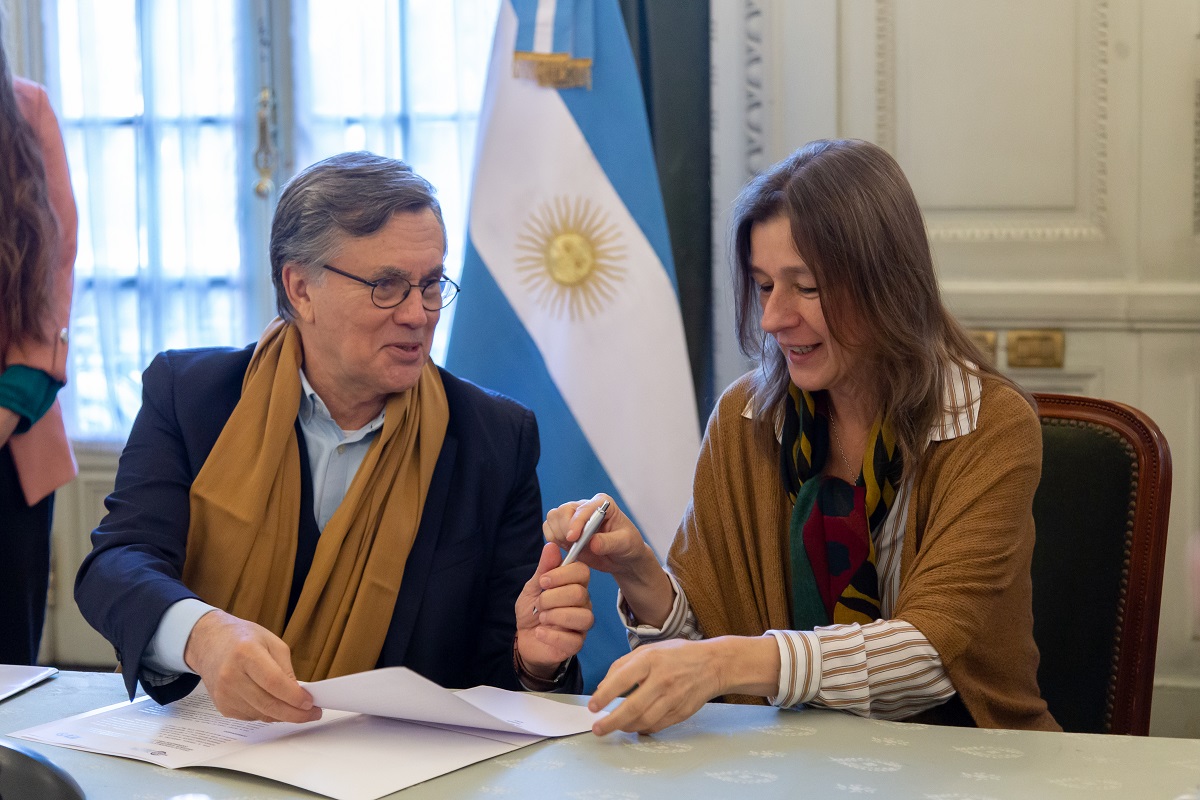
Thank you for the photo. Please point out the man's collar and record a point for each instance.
(310, 402)
(311, 405)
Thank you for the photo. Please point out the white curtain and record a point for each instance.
(157, 100)
(149, 109)
(404, 79)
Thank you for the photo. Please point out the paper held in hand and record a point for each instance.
(381, 731)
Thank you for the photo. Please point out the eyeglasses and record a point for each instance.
(436, 293)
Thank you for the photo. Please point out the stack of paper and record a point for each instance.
(16, 677)
(381, 731)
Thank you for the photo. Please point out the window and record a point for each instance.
(158, 100)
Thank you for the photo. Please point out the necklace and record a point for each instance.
(838, 440)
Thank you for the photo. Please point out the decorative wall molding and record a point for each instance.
(756, 113)
(1101, 39)
(1089, 382)
(1089, 225)
(1196, 162)
(1113, 305)
(1013, 231)
(885, 74)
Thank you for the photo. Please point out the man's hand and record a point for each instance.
(554, 613)
(247, 670)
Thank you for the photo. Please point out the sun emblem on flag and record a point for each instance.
(569, 254)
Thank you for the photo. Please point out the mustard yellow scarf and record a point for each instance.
(245, 516)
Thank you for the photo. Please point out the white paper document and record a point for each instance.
(381, 731)
(17, 677)
(403, 694)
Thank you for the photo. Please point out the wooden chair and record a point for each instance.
(1101, 513)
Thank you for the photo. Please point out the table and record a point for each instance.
(723, 751)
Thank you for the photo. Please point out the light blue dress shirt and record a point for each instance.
(334, 456)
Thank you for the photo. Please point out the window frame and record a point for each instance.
(266, 56)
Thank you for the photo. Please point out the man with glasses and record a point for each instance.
(328, 500)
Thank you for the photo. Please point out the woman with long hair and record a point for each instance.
(37, 257)
(861, 530)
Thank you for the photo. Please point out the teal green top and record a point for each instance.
(28, 392)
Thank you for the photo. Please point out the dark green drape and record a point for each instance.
(670, 40)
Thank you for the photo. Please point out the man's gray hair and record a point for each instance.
(347, 195)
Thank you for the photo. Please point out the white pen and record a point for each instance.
(588, 529)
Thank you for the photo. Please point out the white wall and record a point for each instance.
(78, 509)
(1055, 148)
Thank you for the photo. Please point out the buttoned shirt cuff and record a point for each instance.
(163, 659)
(672, 627)
(799, 667)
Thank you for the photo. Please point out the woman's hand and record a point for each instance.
(673, 679)
(554, 613)
(617, 547)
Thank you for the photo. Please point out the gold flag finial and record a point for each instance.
(553, 70)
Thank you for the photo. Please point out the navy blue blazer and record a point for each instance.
(478, 542)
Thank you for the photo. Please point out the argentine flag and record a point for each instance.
(569, 301)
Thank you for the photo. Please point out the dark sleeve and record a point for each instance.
(517, 547)
(134, 570)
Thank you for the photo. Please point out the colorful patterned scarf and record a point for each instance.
(833, 524)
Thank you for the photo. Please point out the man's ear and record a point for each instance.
(296, 283)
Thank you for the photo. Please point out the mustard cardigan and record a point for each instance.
(965, 567)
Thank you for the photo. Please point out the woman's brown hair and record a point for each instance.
(28, 229)
(856, 223)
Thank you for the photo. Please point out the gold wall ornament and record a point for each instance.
(569, 256)
(985, 340)
(1042, 349)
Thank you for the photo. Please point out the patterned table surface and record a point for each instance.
(724, 751)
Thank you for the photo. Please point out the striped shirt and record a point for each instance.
(885, 669)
